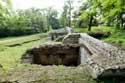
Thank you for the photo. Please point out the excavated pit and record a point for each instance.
(57, 54)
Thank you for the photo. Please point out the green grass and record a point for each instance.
(95, 28)
(19, 40)
(117, 38)
(10, 56)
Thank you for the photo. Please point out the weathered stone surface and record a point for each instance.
(58, 54)
(72, 38)
(101, 58)
(59, 33)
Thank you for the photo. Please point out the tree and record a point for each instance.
(52, 18)
(35, 18)
(111, 11)
(87, 14)
(66, 16)
(70, 7)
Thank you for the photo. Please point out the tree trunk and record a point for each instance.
(90, 23)
(70, 14)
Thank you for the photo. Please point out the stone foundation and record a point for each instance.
(72, 38)
(58, 54)
(101, 59)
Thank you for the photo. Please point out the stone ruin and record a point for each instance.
(59, 33)
(101, 59)
(57, 54)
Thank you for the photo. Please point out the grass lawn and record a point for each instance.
(95, 28)
(19, 40)
(10, 56)
(117, 38)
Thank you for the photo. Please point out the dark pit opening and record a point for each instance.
(59, 54)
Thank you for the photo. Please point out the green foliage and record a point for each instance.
(88, 15)
(117, 38)
(84, 19)
(53, 20)
(109, 12)
(84, 15)
(24, 22)
(65, 19)
(96, 28)
(112, 11)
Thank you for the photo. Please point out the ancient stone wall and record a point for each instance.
(72, 38)
(58, 54)
(101, 58)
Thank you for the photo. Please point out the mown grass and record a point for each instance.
(10, 56)
(95, 28)
(19, 40)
